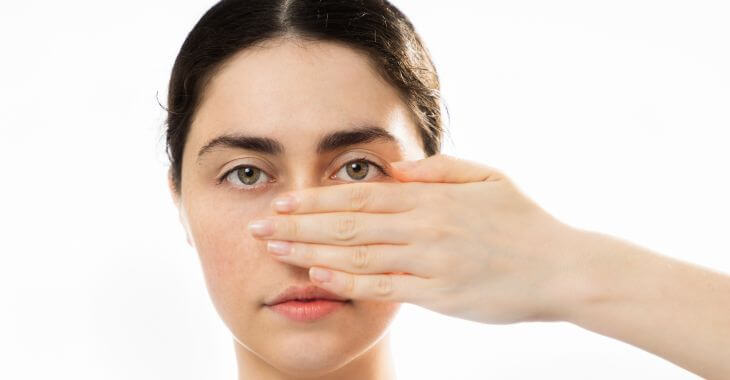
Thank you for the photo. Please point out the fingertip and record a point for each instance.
(286, 203)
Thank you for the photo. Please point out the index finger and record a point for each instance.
(381, 197)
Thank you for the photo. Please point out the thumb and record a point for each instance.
(444, 168)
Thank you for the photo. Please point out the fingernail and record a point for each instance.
(321, 275)
(261, 227)
(285, 203)
(279, 248)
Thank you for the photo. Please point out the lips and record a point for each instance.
(304, 293)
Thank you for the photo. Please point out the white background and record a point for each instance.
(613, 116)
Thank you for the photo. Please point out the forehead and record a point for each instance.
(296, 91)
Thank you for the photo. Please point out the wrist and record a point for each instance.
(586, 273)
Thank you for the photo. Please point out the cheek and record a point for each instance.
(229, 255)
(368, 322)
(379, 314)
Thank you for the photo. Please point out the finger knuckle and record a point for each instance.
(384, 286)
(350, 284)
(433, 232)
(345, 227)
(359, 197)
(361, 257)
(307, 252)
(446, 261)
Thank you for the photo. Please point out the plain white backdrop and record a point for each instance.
(613, 116)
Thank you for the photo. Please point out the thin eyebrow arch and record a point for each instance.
(329, 142)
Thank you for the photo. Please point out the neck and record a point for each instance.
(375, 363)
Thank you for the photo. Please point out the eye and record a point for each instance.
(245, 177)
(358, 169)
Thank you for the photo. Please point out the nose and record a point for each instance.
(302, 174)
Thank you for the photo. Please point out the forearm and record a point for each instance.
(673, 309)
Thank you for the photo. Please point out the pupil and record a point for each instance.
(248, 175)
(357, 170)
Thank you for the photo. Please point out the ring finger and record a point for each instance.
(362, 259)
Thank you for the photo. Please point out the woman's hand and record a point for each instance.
(458, 238)
(454, 236)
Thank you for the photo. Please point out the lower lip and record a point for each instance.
(307, 311)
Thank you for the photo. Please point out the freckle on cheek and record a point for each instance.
(225, 245)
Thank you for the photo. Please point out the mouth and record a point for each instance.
(308, 310)
(306, 300)
(314, 300)
(305, 294)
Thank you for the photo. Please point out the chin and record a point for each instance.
(305, 358)
(313, 349)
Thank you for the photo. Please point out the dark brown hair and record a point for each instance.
(374, 27)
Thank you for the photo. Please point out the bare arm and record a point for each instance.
(674, 309)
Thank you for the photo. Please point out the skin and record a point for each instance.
(295, 92)
(469, 244)
(460, 239)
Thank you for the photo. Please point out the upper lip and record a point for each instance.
(304, 293)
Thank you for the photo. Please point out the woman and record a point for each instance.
(319, 101)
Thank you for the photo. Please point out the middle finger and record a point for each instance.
(338, 228)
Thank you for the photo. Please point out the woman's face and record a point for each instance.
(296, 94)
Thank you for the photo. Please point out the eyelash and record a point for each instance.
(254, 188)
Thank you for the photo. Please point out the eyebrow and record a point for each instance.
(328, 143)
